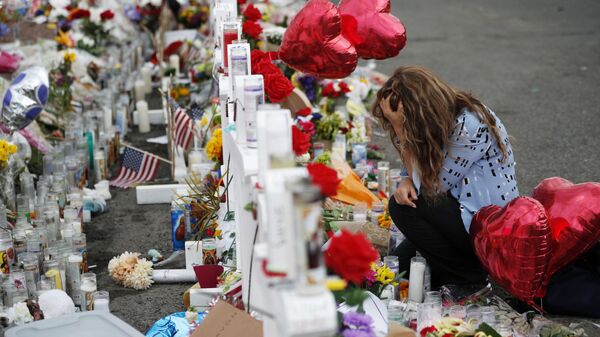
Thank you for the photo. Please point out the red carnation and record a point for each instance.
(329, 91)
(300, 141)
(252, 29)
(277, 86)
(344, 87)
(107, 15)
(350, 256)
(307, 126)
(304, 112)
(78, 13)
(324, 177)
(252, 13)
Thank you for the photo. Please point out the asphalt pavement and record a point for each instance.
(535, 63)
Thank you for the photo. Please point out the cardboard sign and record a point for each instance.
(224, 320)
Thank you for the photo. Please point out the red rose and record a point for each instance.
(427, 330)
(324, 177)
(329, 91)
(277, 86)
(448, 335)
(300, 141)
(107, 15)
(304, 112)
(252, 29)
(252, 13)
(350, 256)
(78, 13)
(241, 2)
(307, 126)
(344, 87)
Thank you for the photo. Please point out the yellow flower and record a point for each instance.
(384, 275)
(12, 148)
(261, 45)
(335, 284)
(69, 57)
(64, 39)
(183, 91)
(175, 94)
(204, 121)
(214, 148)
(218, 232)
(384, 221)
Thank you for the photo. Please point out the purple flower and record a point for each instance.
(4, 29)
(308, 84)
(64, 25)
(133, 13)
(358, 321)
(358, 333)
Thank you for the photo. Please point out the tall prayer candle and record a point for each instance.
(140, 90)
(174, 64)
(415, 281)
(143, 118)
(147, 78)
(230, 33)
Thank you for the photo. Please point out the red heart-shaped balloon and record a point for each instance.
(574, 217)
(514, 245)
(381, 34)
(313, 42)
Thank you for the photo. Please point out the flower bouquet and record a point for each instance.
(7, 174)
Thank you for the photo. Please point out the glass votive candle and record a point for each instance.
(474, 314)
(101, 300)
(433, 297)
(209, 251)
(360, 212)
(393, 263)
(488, 315)
(428, 314)
(457, 311)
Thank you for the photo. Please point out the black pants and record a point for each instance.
(436, 230)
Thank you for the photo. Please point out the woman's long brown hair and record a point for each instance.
(430, 107)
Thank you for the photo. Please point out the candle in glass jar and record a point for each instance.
(230, 34)
(415, 281)
(174, 64)
(101, 300)
(140, 90)
(147, 78)
(143, 118)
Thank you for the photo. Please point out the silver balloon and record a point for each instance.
(25, 98)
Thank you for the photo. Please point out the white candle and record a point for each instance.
(147, 77)
(101, 304)
(194, 157)
(108, 119)
(140, 90)
(143, 118)
(415, 281)
(174, 63)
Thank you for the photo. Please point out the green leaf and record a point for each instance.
(488, 330)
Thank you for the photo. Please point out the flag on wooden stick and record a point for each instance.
(137, 167)
(182, 125)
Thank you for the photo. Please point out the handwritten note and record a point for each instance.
(224, 320)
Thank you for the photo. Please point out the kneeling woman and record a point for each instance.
(458, 159)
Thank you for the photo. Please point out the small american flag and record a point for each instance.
(183, 131)
(137, 167)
